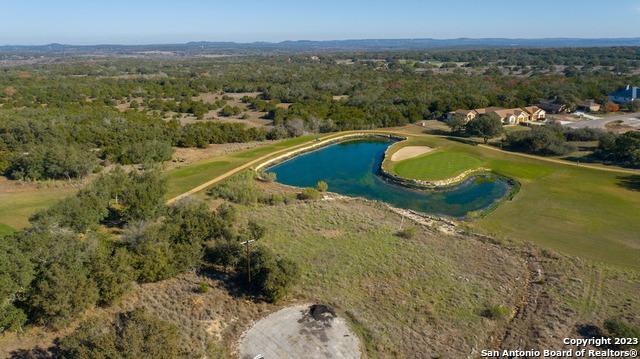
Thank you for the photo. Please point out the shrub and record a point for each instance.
(407, 233)
(268, 176)
(496, 312)
(322, 186)
(238, 189)
(619, 328)
(309, 193)
(273, 277)
(203, 287)
(134, 334)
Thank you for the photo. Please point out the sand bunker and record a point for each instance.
(304, 331)
(410, 152)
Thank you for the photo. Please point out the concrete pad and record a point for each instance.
(304, 331)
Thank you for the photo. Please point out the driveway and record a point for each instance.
(631, 120)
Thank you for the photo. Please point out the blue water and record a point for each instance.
(350, 168)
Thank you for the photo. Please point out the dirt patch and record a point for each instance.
(410, 152)
(304, 331)
(184, 156)
(618, 126)
(321, 313)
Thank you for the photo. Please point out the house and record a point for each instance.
(507, 116)
(551, 106)
(588, 106)
(628, 94)
(512, 116)
(467, 114)
(535, 113)
(487, 110)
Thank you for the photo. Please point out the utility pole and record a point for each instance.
(248, 258)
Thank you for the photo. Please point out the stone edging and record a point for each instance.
(430, 185)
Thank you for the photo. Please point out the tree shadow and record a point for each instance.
(589, 330)
(35, 353)
(436, 131)
(583, 159)
(236, 285)
(464, 140)
(631, 182)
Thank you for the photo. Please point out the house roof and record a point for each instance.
(463, 112)
(504, 113)
(486, 110)
(532, 109)
(631, 92)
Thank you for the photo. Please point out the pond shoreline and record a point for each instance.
(439, 186)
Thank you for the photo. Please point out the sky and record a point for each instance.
(82, 22)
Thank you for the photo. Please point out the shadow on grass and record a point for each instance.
(236, 285)
(35, 353)
(631, 182)
(464, 140)
(583, 159)
(436, 131)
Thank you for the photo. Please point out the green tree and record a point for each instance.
(456, 123)
(273, 277)
(153, 254)
(134, 334)
(485, 127)
(322, 186)
(144, 198)
(16, 274)
(309, 193)
(111, 268)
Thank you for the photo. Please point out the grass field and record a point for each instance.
(566, 207)
(406, 296)
(182, 179)
(436, 165)
(4, 229)
(401, 296)
(17, 207)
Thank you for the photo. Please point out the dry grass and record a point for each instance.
(403, 297)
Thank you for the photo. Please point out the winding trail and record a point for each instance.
(261, 159)
(564, 162)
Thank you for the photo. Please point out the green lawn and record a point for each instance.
(4, 229)
(183, 179)
(565, 207)
(436, 166)
(17, 207)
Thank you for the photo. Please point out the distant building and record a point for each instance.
(535, 113)
(507, 115)
(627, 94)
(588, 106)
(551, 106)
(467, 114)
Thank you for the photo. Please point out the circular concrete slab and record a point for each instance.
(304, 331)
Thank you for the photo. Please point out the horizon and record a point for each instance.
(118, 22)
(328, 40)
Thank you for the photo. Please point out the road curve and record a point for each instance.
(253, 162)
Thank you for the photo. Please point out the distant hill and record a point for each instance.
(333, 45)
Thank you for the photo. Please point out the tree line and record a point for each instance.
(65, 262)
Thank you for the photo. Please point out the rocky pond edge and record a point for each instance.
(432, 186)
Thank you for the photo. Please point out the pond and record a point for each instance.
(351, 168)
